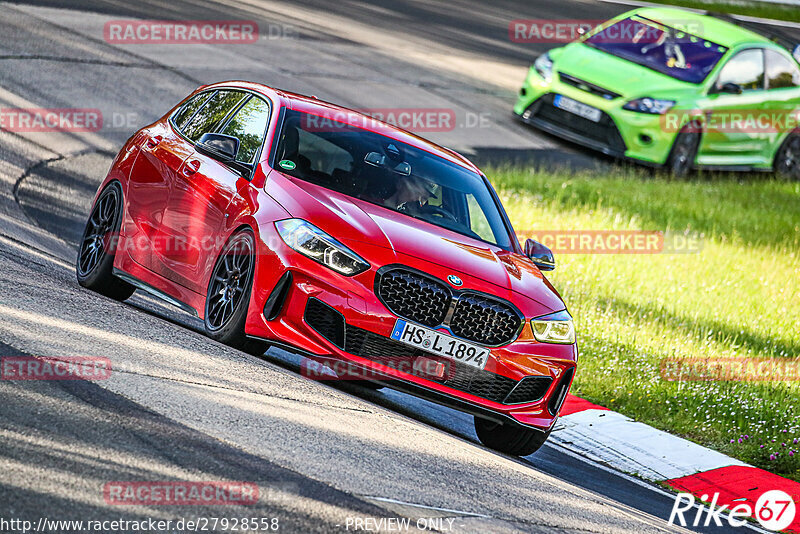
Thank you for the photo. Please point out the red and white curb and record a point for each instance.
(635, 448)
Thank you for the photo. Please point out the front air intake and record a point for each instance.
(560, 393)
(529, 389)
(328, 322)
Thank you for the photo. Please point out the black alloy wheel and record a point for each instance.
(229, 294)
(95, 263)
(229, 282)
(787, 160)
(684, 150)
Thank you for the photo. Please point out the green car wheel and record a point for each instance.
(787, 162)
(684, 151)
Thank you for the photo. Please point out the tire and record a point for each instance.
(684, 150)
(787, 159)
(95, 263)
(509, 438)
(228, 294)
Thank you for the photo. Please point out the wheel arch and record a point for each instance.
(776, 148)
(235, 229)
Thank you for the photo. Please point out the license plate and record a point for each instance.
(440, 344)
(577, 108)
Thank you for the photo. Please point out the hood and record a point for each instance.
(629, 79)
(362, 226)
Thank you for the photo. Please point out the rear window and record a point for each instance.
(212, 113)
(781, 71)
(669, 51)
(188, 110)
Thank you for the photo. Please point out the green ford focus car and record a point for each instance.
(672, 88)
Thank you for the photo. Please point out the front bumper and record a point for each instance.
(524, 381)
(620, 133)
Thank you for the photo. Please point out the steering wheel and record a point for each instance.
(441, 212)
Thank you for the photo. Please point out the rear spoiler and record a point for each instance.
(773, 34)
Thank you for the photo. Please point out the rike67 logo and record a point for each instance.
(774, 510)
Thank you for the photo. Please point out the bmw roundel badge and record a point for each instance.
(453, 279)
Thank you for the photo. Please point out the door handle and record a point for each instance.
(153, 142)
(191, 167)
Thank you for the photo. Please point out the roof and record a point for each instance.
(707, 27)
(313, 105)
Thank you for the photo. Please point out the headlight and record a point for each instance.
(312, 242)
(649, 105)
(554, 328)
(544, 66)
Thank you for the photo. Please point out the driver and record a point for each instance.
(412, 193)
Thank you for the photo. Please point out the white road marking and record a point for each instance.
(635, 447)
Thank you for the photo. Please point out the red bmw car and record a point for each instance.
(279, 219)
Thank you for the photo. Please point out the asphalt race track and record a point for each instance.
(179, 406)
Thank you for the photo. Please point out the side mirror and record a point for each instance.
(730, 88)
(540, 255)
(375, 159)
(220, 147)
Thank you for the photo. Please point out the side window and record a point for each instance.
(185, 113)
(477, 219)
(249, 125)
(781, 72)
(745, 69)
(212, 113)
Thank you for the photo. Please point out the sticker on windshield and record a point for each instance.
(287, 164)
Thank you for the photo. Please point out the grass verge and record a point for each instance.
(737, 297)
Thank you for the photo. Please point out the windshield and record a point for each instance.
(669, 51)
(383, 171)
